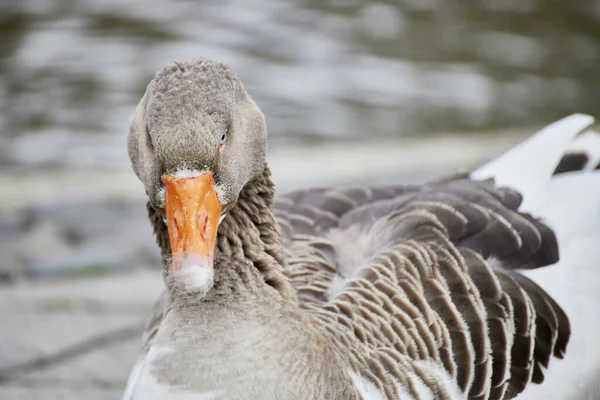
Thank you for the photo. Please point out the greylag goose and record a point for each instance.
(402, 292)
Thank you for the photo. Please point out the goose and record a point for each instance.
(391, 292)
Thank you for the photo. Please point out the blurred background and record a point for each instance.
(354, 91)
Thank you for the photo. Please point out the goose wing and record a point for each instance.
(427, 274)
(419, 285)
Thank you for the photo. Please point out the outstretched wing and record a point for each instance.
(427, 274)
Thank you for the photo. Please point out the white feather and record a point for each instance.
(528, 166)
(366, 388)
(573, 209)
(134, 378)
(188, 173)
(143, 385)
(570, 204)
(589, 143)
(441, 375)
(369, 391)
(194, 275)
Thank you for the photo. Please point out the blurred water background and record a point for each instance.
(71, 70)
(354, 91)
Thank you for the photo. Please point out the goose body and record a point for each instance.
(405, 292)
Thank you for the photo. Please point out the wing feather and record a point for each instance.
(414, 276)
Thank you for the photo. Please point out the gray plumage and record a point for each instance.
(409, 291)
(476, 239)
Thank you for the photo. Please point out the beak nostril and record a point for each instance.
(174, 228)
(202, 221)
(203, 225)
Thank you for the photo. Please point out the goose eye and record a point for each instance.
(224, 138)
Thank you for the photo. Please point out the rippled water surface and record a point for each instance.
(71, 71)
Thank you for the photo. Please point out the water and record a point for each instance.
(71, 71)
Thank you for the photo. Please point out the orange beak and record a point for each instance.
(193, 210)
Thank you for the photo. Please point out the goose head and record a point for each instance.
(196, 139)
